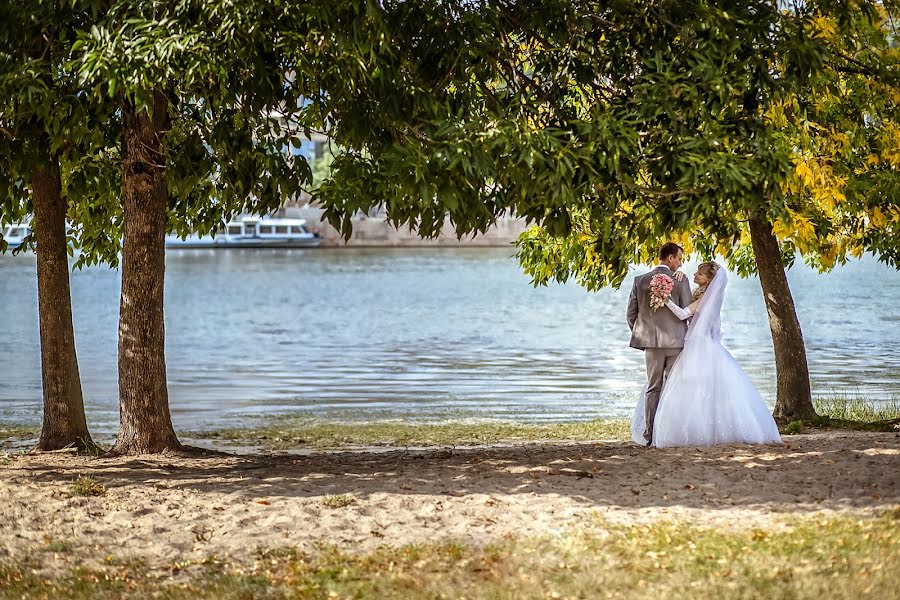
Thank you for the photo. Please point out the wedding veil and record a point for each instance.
(707, 321)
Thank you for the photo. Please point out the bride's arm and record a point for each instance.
(682, 313)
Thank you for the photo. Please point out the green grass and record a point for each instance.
(808, 558)
(293, 433)
(59, 546)
(855, 409)
(87, 486)
(17, 432)
(851, 414)
(337, 501)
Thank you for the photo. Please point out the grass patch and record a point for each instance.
(92, 448)
(810, 558)
(296, 433)
(87, 486)
(855, 409)
(852, 414)
(337, 501)
(794, 427)
(59, 546)
(14, 433)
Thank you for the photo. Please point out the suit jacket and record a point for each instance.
(660, 329)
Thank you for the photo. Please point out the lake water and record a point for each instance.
(420, 334)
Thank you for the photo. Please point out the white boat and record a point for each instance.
(15, 234)
(252, 232)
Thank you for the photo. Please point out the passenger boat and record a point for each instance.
(15, 234)
(252, 232)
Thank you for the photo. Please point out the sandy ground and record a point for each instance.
(174, 509)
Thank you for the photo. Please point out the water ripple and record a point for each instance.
(420, 334)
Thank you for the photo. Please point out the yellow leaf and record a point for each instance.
(828, 256)
(803, 170)
(781, 230)
(824, 27)
(895, 214)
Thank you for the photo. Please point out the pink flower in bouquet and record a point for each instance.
(660, 290)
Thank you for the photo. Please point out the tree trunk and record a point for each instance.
(145, 423)
(794, 399)
(64, 422)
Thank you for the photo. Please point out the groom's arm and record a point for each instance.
(632, 312)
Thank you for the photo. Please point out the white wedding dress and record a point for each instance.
(707, 399)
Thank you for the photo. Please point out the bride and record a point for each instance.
(707, 399)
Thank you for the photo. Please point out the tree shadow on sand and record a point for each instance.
(809, 473)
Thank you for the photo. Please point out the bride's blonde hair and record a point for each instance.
(709, 268)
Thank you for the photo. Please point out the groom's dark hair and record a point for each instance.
(669, 249)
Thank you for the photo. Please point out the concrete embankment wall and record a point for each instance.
(375, 231)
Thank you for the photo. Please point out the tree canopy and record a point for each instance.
(614, 125)
(231, 98)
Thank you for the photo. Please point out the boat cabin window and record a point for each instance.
(282, 229)
(15, 232)
(297, 229)
(265, 229)
(234, 230)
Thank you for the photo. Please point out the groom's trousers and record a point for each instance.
(659, 361)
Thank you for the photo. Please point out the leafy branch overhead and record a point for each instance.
(611, 126)
(235, 107)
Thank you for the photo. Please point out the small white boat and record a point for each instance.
(15, 234)
(252, 232)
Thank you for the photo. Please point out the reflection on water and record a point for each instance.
(419, 333)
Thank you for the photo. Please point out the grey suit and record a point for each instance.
(659, 334)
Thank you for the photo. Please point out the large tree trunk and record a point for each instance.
(64, 422)
(794, 400)
(145, 423)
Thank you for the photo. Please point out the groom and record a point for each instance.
(659, 334)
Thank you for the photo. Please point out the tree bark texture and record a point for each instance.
(794, 399)
(64, 422)
(145, 422)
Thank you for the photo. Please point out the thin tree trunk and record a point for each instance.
(794, 399)
(64, 421)
(145, 423)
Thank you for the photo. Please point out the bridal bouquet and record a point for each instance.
(660, 290)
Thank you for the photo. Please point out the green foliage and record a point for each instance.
(234, 106)
(857, 409)
(321, 168)
(850, 414)
(87, 486)
(608, 126)
(836, 195)
(612, 126)
(337, 500)
(794, 427)
(610, 122)
(46, 121)
(233, 101)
